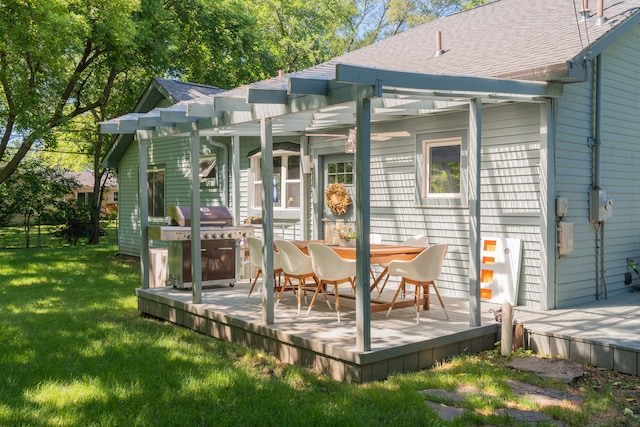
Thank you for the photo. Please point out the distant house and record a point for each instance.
(516, 119)
(84, 194)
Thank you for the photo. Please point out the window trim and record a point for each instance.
(155, 169)
(439, 138)
(255, 178)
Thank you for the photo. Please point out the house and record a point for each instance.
(85, 195)
(122, 156)
(516, 119)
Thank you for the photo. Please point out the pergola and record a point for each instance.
(330, 96)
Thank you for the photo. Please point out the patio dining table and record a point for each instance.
(379, 254)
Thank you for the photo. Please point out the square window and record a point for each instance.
(441, 168)
(286, 181)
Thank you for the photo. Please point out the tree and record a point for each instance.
(379, 19)
(300, 34)
(37, 193)
(66, 65)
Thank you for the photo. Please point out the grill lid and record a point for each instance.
(209, 215)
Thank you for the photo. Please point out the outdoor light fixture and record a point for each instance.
(350, 144)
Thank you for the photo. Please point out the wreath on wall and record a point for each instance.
(337, 199)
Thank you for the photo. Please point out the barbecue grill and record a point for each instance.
(219, 245)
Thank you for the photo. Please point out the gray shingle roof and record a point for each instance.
(185, 91)
(508, 37)
(519, 39)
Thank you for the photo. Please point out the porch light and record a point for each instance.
(350, 144)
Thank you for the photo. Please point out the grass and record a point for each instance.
(74, 351)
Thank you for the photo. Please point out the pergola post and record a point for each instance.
(363, 217)
(475, 242)
(196, 245)
(143, 208)
(266, 168)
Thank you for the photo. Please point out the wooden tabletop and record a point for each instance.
(380, 253)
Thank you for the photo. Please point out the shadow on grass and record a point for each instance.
(75, 351)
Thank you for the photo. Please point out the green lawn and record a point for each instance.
(75, 351)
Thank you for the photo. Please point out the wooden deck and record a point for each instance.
(603, 334)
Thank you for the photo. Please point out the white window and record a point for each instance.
(286, 180)
(340, 172)
(441, 168)
(208, 171)
(155, 192)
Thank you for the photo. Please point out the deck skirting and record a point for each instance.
(321, 357)
(603, 355)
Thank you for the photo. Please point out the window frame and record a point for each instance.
(151, 199)
(435, 139)
(255, 184)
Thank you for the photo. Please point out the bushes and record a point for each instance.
(76, 223)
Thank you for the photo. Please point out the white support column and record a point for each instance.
(304, 189)
(235, 195)
(548, 226)
(143, 209)
(196, 246)
(475, 143)
(363, 217)
(266, 167)
(235, 177)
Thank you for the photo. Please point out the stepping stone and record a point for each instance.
(440, 394)
(445, 412)
(543, 396)
(529, 417)
(555, 369)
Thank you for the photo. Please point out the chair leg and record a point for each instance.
(335, 286)
(386, 278)
(287, 279)
(395, 296)
(300, 283)
(320, 288)
(435, 288)
(253, 284)
(417, 301)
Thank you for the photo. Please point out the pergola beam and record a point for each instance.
(402, 79)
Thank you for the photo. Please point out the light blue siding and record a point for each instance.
(620, 163)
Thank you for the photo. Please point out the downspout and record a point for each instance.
(225, 185)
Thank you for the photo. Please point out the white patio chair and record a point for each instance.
(255, 256)
(297, 265)
(331, 269)
(422, 272)
(420, 241)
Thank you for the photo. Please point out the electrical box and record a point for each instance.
(562, 206)
(565, 238)
(600, 208)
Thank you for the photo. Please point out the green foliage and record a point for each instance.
(76, 223)
(300, 34)
(379, 19)
(36, 193)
